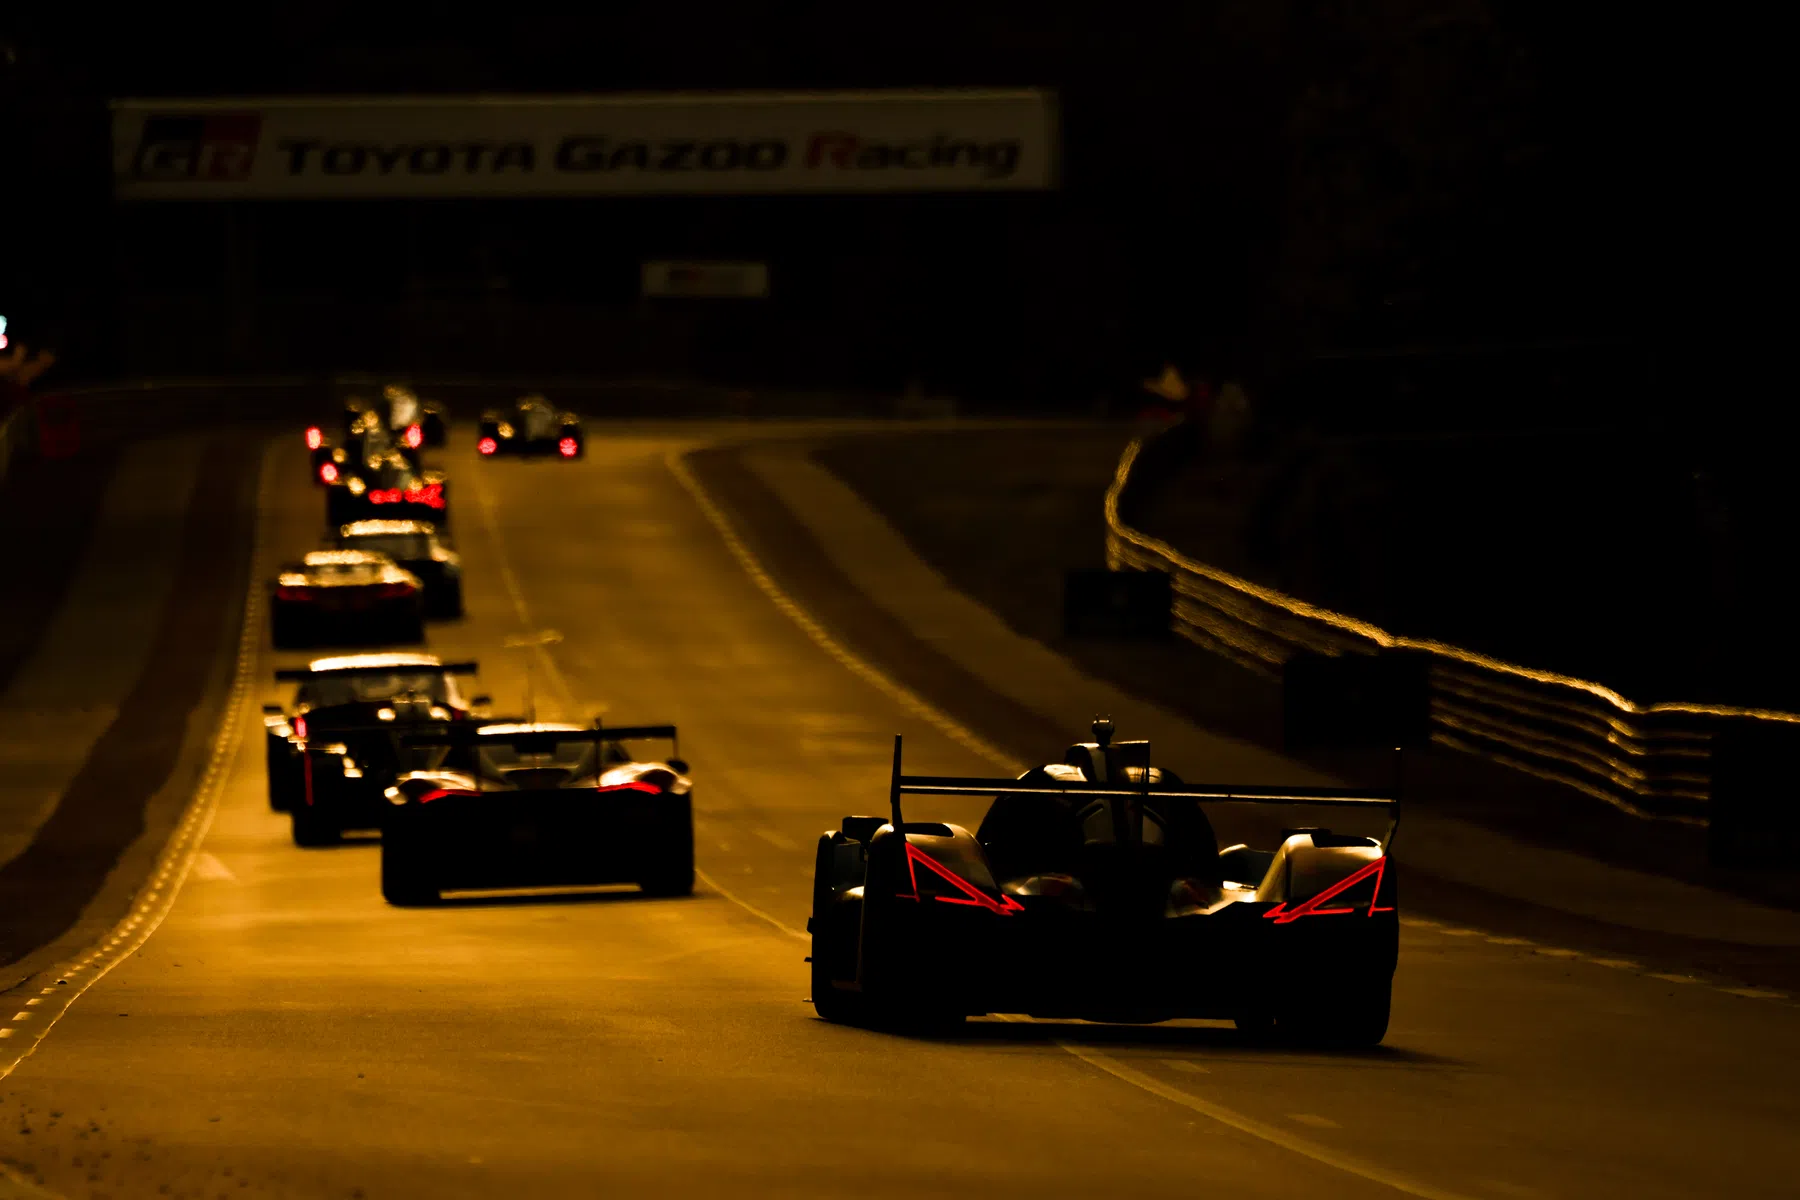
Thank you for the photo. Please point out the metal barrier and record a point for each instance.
(1650, 760)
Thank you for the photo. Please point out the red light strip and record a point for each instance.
(1282, 915)
(636, 785)
(975, 897)
(440, 793)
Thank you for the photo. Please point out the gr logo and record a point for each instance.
(220, 147)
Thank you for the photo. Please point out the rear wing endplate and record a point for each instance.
(540, 741)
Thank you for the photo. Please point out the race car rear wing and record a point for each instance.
(541, 741)
(965, 785)
(301, 674)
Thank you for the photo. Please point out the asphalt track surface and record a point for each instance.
(286, 1033)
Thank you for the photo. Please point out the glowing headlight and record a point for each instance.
(384, 714)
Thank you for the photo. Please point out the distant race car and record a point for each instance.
(333, 753)
(1095, 889)
(415, 546)
(333, 597)
(366, 440)
(388, 488)
(411, 421)
(531, 426)
(534, 804)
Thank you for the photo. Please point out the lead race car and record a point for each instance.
(1095, 889)
(335, 750)
(389, 486)
(531, 426)
(537, 804)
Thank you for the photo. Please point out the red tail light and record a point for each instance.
(299, 726)
(440, 793)
(394, 591)
(567, 447)
(293, 593)
(431, 495)
(487, 445)
(636, 785)
(1281, 914)
(969, 894)
(315, 437)
(415, 436)
(328, 472)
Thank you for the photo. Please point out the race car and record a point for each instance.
(345, 597)
(388, 487)
(367, 439)
(1096, 889)
(531, 426)
(333, 752)
(415, 546)
(534, 804)
(399, 410)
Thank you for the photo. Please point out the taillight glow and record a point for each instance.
(636, 785)
(299, 726)
(394, 591)
(293, 593)
(567, 447)
(1282, 915)
(328, 472)
(487, 445)
(972, 896)
(440, 793)
(315, 437)
(415, 436)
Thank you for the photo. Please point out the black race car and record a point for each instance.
(388, 487)
(531, 426)
(335, 750)
(529, 804)
(1096, 889)
(367, 441)
(415, 546)
(345, 597)
(398, 410)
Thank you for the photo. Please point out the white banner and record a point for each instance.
(713, 144)
(710, 280)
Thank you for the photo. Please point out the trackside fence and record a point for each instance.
(1650, 760)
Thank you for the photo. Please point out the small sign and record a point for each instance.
(707, 280)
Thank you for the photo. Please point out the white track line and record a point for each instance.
(908, 699)
(485, 501)
(74, 977)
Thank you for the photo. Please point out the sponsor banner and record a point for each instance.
(713, 144)
(724, 280)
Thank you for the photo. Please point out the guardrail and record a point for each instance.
(1650, 760)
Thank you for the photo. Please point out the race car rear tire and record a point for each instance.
(832, 1004)
(311, 828)
(405, 876)
(1354, 1018)
(450, 602)
(286, 630)
(286, 783)
(671, 873)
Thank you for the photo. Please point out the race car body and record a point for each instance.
(388, 487)
(531, 426)
(1095, 889)
(399, 411)
(538, 805)
(414, 545)
(346, 597)
(332, 753)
